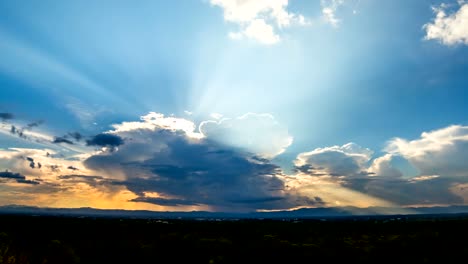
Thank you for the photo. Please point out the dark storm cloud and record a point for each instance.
(6, 116)
(105, 140)
(258, 200)
(408, 192)
(196, 171)
(58, 140)
(19, 178)
(164, 202)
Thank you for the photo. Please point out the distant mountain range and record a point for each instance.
(313, 213)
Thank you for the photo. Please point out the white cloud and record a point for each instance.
(347, 160)
(260, 134)
(329, 8)
(450, 29)
(154, 121)
(259, 19)
(261, 31)
(424, 178)
(383, 167)
(439, 152)
(216, 115)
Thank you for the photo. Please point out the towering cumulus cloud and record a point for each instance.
(346, 160)
(166, 162)
(257, 133)
(439, 152)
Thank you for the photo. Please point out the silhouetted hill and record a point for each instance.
(325, 212)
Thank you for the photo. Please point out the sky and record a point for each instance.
(233, 105)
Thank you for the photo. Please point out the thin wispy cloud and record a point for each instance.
(329, 9)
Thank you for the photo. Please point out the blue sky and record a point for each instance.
(335, 91)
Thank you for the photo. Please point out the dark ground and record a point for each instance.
(41, 239)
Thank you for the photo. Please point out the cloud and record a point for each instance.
(17, 177)
(65, 139)
(163, 201)
(6, 116)
(157, 121)
(347, 160)
(18, 131)
(258, 133)
(423, 190)
(449, 29)
(439, 152)
(259, 30)
(25, 132)
(259, 19)
(34, 124)
(383, 167)
(439, 158)
(167, 163)
(58, 140)
(329, 8)
(105, 140)
(11, 175)
(161, 157)
(75, 135)
(32, 164)
(347, 171)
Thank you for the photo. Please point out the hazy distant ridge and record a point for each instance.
(299, 213)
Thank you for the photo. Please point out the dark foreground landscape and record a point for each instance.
(52, 239)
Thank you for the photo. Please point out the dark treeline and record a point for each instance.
(28, 239)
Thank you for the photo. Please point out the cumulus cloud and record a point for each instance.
(167, 163)
(383, 167)
(162, 156)
(259, 19)
(258, 133)
(352, 173)
(347, 160)
(154, 121)
(449, 28)
(438, 152)
(439, 158)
